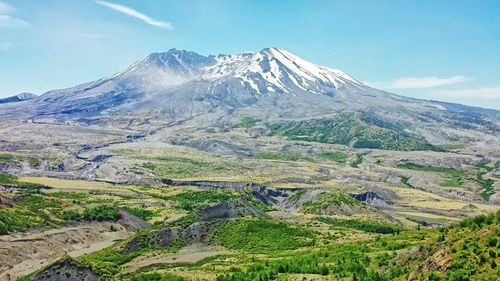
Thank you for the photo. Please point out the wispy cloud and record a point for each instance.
(488, 93)
(7, 20)
(419, 82)
(136, 14)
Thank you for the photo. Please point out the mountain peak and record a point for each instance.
(278, 70)
(230, 80)
(268, 70)
(18, 98)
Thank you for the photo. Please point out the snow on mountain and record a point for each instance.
(180, 84)
(269, 70)
(277, 70)
(18, 98)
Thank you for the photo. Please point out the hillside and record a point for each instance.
(206, 242)
(254, 166)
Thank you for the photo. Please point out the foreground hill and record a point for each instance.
(238, 234)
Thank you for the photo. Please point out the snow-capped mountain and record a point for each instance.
(18, 98)
(269, 70)
(271, 83)
(182, 82)
(277, 70)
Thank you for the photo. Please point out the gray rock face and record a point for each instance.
(229, 209)
(495, 198)
(372, 199)
(66, 270)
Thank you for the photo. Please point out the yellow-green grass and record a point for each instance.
(76, 184)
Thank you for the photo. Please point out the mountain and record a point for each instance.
(170, 160)
(18, 98)
(272, 84)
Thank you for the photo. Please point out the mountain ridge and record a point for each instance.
(18, 98)
(160, 71)
(271, 85)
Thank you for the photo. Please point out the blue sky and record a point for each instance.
(443, 50)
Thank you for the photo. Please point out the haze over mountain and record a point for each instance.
(355, 152)
(271, 84)
(191, 146)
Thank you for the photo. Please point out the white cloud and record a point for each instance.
(7, 20)
(491, 93)
(136, 14)
(419, 82)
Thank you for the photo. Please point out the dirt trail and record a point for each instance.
(23, 253)
(190, 254)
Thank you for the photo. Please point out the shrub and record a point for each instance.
(71, 215)
(101, 213)
(263, 235)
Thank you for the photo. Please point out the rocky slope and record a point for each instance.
(271, 84)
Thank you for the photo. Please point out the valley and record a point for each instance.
(256, 166)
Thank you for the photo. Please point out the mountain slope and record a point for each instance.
(225, 80)
(272, 84)
(18, 98)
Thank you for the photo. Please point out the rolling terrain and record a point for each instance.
(255, 166)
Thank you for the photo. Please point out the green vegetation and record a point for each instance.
(335, 156)
(181, 167)
(486, 184)
(12, 221)
(249, 122)
(366, 226)
(99, 213)
(265, 248)
(16, 158)
(184, 221)
(11, 180)
(68, 195)
(406, 181)
(284, 156)
(107, 262)
(473, 248)
(263, 235)
(448, 147)
(140, 212)
(328, 199)
(359, 159)
(346, 127)
(7, 179)
(155, 277)
(269, 251)
(455, 176)
(364, 260)
(297, 195)
(30, 211)
(71, 215)
(197, 200)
